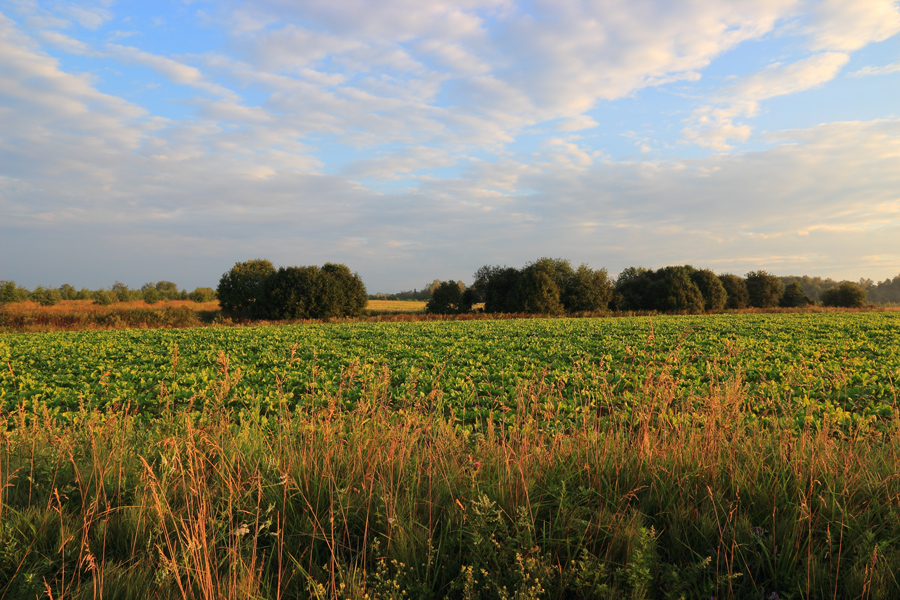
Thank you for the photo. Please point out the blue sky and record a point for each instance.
(412, 140)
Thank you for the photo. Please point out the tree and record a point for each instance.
(794, 296)
(448, 298)
(151, 295)
(45, 296)
(588, 290)
(295, 293)
(632, 289)
(673, 290)
(241, 290)
(847, 294)
(498, 287)
(67, 292)
(539, 293)
(10, 292)
(314, 293)
(764, 289)
(202, 294)
(711, 288)
(735, 290)
(346, 291)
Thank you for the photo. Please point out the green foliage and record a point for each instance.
(67, 292)
(202, 294)
(241, 290)
(105, 297)
(346, 291)
(46, 296)
(10, 292)
(314, 293)
(763, 289)
(499, 288)
(539, 293)
(448, 298)
(794, 296)
(737, 296)
(714, 294)
(632, 290)
(151, 295)
(588, 290)
(673, 291)
(847, 295)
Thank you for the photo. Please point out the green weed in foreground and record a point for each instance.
(391, 500)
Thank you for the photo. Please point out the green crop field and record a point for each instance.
(740, 456)
(792, 366)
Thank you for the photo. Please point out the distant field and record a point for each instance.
(395, 306)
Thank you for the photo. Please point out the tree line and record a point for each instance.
(553, 286)
(151, 293)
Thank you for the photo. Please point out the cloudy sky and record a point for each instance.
(417, 140)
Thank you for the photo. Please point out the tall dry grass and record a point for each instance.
(396, 501)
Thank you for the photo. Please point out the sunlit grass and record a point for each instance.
(391, 500)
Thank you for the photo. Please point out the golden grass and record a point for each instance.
(395, 305)
(66, 307)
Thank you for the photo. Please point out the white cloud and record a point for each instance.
(716, 126)
(848, 25)
(883, 70)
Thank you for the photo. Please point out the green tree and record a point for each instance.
(45, 296)
(499, 289)
(539, 293)
(448, 299)
(588, 290)
(735, 290)
(794, 296)
(241, 290)
(10, 292)
(711, 288)
(847, 294)
(151, 295)
(763, 289)
(346, 291)
(67, 292)
(296, 293)
(673, 290)
(632, 289)
(202, 294)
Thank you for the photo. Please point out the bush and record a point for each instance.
(105, 297)
(714, 294)
(736, 295)
(10, 292)
(46, 296)
(763, 289)
(202, 294)
(314, 293)
(847, 295)
(241, 290)
(449, 298)
(151, 295)
(794, 297)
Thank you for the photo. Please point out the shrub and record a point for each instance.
(794, 296)
(763, 289)
(241, 290)
(46, 296)
(714, 294)
(202, 294)
(448, 299)
(736, 295)
(847, 294)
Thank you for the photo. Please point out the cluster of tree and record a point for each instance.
(546, 286)
(885, 292)
(417, 294)
(552, 286)
(118, 292)
(256, 290)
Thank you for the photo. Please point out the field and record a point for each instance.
(727, 456)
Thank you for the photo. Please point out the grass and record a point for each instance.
(391, 500)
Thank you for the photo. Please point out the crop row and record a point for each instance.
(789, 366)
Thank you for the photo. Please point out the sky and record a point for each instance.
(412, 141)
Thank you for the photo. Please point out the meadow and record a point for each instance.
(728, 456)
